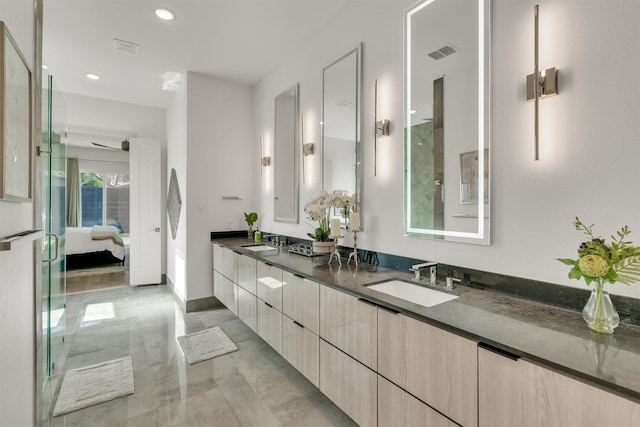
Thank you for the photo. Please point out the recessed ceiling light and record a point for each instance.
(165, 14)
(92, 76)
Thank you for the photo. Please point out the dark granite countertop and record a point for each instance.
(550, 336)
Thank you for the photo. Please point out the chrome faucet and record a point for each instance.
(417, 269)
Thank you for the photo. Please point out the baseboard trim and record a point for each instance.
(189, 306)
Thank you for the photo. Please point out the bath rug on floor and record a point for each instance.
(94, 384)
(206, 344)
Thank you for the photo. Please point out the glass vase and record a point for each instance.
(599, 312)
(250, 233)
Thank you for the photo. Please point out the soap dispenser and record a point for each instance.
(257, 236)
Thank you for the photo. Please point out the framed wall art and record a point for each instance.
(15, 121)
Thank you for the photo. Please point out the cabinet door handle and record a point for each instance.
(268, 305)
(366, 301)
(298, 324)
(499, 351)
(390, 310)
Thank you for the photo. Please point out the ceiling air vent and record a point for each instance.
(443, 52)
(126, 47)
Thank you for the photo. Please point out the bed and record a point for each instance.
(90, 246)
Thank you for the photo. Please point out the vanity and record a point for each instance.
(481, 359)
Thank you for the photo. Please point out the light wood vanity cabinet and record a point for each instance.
(247, 308)
(349, 384)
(396, 407)
(301, 300)
(225, 290)
(301, 348)
(438, 367)
(518, 393)
(350, 324)
(269, 284)
(218, 258)
(229, 265)
(301, 309)
(270, 325)
(247, 273)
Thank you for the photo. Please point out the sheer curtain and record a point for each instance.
(73, 192)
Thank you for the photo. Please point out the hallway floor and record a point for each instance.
(253, 386)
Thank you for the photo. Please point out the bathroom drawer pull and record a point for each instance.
(298, 324)
(390, 310)
(499, 351)
(268, 305)
(366, 301)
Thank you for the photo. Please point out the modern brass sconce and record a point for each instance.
(540, 84)
(264, 161)
(381, 128)
(307, 150)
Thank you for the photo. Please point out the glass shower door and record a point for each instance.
(54, 171)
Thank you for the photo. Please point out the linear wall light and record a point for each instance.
(381, 128)
(540, 84)
(307, 150)
(264, 160)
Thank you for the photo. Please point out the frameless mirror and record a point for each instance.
(447, 120)
(341, 126)
(285, 160)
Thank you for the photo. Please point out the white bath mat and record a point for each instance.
(95, 384)
(206, 344)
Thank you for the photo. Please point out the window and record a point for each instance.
(105, 199)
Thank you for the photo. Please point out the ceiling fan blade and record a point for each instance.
(104, 146)
(124, 145)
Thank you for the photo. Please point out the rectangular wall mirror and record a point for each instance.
(285, 162)
(341, 126)
(446, 115)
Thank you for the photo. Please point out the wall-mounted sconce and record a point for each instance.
(540, 84)
(381, 128)
(307, 149)
(264, 161)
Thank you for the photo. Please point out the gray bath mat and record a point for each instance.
(205, 345)
(95, 384)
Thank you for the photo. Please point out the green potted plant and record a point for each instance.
(250, 218)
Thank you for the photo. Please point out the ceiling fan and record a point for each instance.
(124, 145)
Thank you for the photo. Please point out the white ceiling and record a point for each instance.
(235, 40)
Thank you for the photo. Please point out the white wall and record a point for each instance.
(219, 145)
(177, 159)
(589, 133)
(17, 268)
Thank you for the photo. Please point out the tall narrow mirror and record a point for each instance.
(447, 120)
(285, 192)
(341, 126)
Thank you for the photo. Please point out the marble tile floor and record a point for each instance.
(253, 386)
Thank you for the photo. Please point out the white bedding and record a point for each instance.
(78, 241)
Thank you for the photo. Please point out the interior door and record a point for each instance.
(144, 177)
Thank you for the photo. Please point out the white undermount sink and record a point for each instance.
(259, 248)
(413, 293)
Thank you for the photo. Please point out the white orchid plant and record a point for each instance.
(318, 209)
